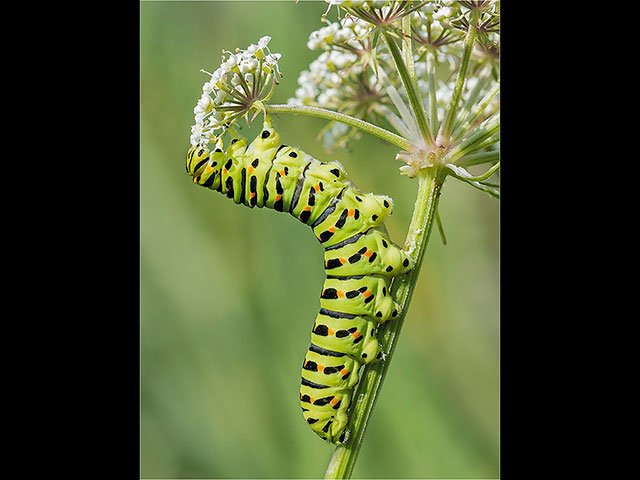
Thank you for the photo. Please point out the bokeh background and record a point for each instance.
(228, 294)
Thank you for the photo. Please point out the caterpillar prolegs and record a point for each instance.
(360, 260)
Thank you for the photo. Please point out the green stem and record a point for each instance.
(412, 88)
(475, 112)
(407, 50)
(433, 101)
(367, 127)
(478, 158)
(364, 398)
(469, 42)
(479, 138)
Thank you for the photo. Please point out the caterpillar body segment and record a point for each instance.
(353, 335)
(360, 260)
(326, 370)
(373, 252)
(353, 211)
(366, 295)
(319, 186)
(282, 180)
(323, 409)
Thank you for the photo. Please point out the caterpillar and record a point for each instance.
(360, 260)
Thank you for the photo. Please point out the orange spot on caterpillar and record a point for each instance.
(320, 368)
(250, 170)
(356, 334)
(334, 401)
(340, 294)
(317, 188)
(311, 399)
(368, 253)
(282, 173)
(252, 194)
(332, 229)
(367, 294)
(344, 371)
(307, 208)
(331, 332)
(352, 212)
(224, 171)
(278, 198)
(343, 260)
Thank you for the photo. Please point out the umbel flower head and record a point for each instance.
(241, 83)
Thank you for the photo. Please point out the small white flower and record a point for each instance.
(444, 12)
(272, 58)
(264, 41)
(196, 130)
(313, 44)
(205, 101)
(231, 62)
(207, 87)
(436, 28)
(427, 9)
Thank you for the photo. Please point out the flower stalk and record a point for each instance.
(344, 457)
(367, 127)
(412, 88)
(469, 42)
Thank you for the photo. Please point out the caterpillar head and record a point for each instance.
(204, 166)
(197, 157)
(269, 138)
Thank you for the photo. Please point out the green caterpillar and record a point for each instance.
(360, 261)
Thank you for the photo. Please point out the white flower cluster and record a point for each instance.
(230, 88)
(321, 84)
(347, 34)
(358, 3)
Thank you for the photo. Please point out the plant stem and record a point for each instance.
(475, 112)
(433, 100)
(478, 158)
(364, 398)
(469, 42)
(412, 89)
(367, 127)
(407, 50)
(479, 138)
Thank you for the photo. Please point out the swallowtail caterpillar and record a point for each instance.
(360, 260)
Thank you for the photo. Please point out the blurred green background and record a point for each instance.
(229, 294)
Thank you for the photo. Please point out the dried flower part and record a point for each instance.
(232, 90)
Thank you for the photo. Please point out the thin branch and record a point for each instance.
(411, 87)
(447, 125)
(367, 127)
